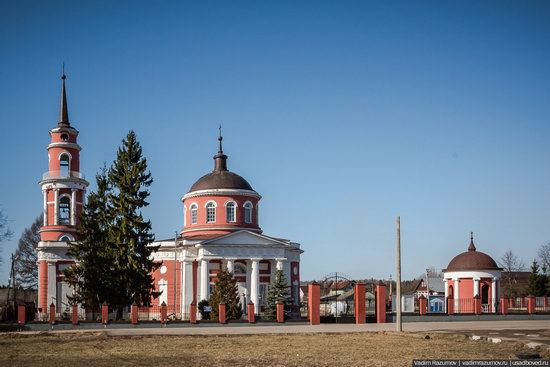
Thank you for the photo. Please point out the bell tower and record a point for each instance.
(64, 188)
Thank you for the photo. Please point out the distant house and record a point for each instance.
(436, 285)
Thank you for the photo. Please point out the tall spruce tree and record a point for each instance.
(279, 291)
(130, 233)
(226, 291)
(26, 270)
(93, 276)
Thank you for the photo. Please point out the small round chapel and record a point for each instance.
(472, 274)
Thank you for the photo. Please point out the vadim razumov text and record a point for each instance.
(480, 362)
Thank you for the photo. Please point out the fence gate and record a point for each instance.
(337, 299)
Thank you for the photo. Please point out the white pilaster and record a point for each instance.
(45, 209)
(73, 207)
(280, 263)
(204, 279)
(476, 287)
(187, 286)
(52, 285)
(56, 207)
(255, 284)
(493, 300)
(457, 295)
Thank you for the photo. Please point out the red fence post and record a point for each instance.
(545, 302)
(193, 313)
(104, 313)
(477, 305)
(163, 313)
(531, 302)
(380, 303)
(21, 315)
(280, 306)
(52, 313)
(360, 304)
(134, 313)
(511, 303)
(250, 311)
(314, 300)
(422, 305)
(74, 318)
(503, 306)
(450, 306)
(221, 313)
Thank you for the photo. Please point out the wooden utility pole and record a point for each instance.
(398, 324)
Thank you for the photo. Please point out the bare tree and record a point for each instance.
(5, 231)
(544, 257)
(26, 270)
(510, 264)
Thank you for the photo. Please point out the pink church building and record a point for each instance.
(221, 229)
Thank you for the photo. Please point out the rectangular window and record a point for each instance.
(248, 215)
(210, 214)
(194, 215)
(230, 213)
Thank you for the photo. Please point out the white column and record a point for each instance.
(446, 284)
(255, 284)
(476, 287)
(73, 207)
(280, 264)
(187, 286)
(45, 210)
(56, 207)
(248, 277)
(205, 281)
(230, 265)
(456, 295)
(493, 300)
(52, 285)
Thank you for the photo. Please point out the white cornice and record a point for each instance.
(229, 228)
(64, 144)
(221, 192)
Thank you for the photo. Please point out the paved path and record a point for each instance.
(477, 327)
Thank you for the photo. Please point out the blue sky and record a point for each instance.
(342, 115)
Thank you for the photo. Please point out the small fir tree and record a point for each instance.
(536, 283)
(279, 291)
(26, 270)
(226, 291)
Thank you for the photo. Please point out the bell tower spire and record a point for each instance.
(64, 111)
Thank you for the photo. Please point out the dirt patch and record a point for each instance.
(354, 349)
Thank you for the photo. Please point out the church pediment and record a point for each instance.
(245, 238)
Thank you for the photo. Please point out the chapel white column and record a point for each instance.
(457, 295)
(493, 300)
(255, 284)
(204, 279)
(187, 287)
(45, 209)
(280, 263)
(446, 284)
(56, 207)
(52, 285)
(73, 207)
(476, 287)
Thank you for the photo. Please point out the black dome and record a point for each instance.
(221, 180)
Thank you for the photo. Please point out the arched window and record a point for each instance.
(248, 212)
(210, 212)
(194, 214)
(65, 238)
(65, 210)
(230, 212)
(64, 165)
(239, 269)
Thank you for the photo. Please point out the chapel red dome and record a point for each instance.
(472, 260)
